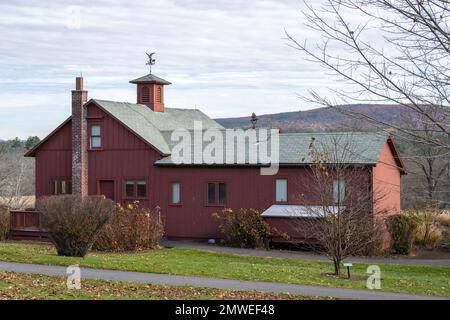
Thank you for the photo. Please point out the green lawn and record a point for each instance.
(24, 286)
(424, 280)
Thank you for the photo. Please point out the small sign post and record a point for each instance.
(348, 265)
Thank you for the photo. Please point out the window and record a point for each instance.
(281, 190)
(135, 188)
(54, 187)
(176, 193)
(96, 137)
(58, 187)
(217, 193)
(222, 193)
(141, 187)
(145, 94)
(211, 193)
(338, 191)
(129, 189)
(65, 187)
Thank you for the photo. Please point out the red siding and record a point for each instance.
(54, 159)
(123, 156)
(246, 188)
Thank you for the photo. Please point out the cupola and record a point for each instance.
(150, 91)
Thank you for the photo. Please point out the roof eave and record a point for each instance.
(150, 81)
(396, 154)
(258, 165)
(32, 152)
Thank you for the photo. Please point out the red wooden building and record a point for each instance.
(125, 152)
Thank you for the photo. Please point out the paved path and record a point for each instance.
(167, 279)
(300, 255)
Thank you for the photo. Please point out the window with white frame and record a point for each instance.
(96, 136)
(58, 187)
(135, 188)
(216, 193)
(338, 191)
(281, 190)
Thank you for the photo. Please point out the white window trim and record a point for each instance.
(281, 195)
(339, 191)
(176, 193)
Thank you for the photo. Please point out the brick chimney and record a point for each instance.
(150, 91)
(79, 139)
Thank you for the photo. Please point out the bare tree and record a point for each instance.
(4, 173)
(393, 51)
(16, 177)
(389, 51)
(342, 215)
(428, 166)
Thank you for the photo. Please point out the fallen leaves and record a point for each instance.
(24, 287)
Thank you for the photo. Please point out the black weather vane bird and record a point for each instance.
(151, 60)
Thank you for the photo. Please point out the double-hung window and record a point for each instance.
(54, 187)
(66, 187)
(96, 137)
(216, 193)
(281, 190)
(338, 191)
(135, 188)
(58, 187)
(176, 193)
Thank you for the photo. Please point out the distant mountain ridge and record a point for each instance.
(324, 118)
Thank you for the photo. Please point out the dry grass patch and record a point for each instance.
(15, 286)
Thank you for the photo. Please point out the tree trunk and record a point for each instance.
(337, 266)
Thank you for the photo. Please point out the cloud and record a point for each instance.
(228, 57)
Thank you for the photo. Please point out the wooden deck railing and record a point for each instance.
(26, 225)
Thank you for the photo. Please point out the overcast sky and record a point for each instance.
(226, 57)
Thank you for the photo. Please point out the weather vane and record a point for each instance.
(151, 61)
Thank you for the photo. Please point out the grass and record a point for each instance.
(24, 287)
(425, 280)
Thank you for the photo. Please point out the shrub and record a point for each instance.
(244, 228)
(73, 221)
(444, 219)
(428, 239)
(131, 228)
(428, 234)
(4, 223)
(402, 228)
(445, 242)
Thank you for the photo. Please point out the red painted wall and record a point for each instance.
(246, 188)
(54, 159)
(123, 156)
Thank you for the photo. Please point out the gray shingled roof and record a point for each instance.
(348, 147)
(150, 78)
(150, 125)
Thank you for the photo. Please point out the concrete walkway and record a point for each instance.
(301, 255)
(167, 279)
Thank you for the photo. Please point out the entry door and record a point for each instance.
(107, 189)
